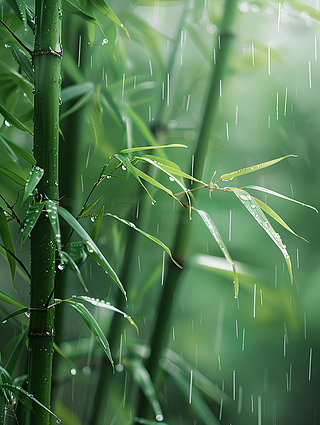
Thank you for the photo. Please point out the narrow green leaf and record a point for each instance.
(76, 90)
(93, 250)
(242, 171)
(59, 351)
(97, 103)
(109, 105)
(51, 209)
(18, 149)
(19, 8)
(7, 242)
(32, 216)
(10, 152)
(33, 179)
(12, 176)
(215, 233)
(254, 209)
(10, 300)
(142, 378)
(148, 421)
(84, 13)
(106, 10)
(274, 215)
(23, 62)
(66, 258)
(91, 29)
(182, 382)
(97, 225)
(145, 148)
(152, 238)
(13, 120)
(199, 43)
(271, 192)
(78, 105)
(20, 380)
(93, 326)
(5, 376)
(107, 305)
(17, 351)
(90, 206)
(25, 398)
(15, 313)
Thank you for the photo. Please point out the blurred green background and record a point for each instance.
(261, 360)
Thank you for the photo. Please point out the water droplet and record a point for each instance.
(105, 41)
(6, 123)
(171, 178)
(153, 202)
(124, 167)
(61, 266)
(108, 177)
(73, 371)
(92, 219)
(86, 370)
(159, 417)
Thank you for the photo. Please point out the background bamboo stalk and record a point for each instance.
(46, 61)
(183, 234)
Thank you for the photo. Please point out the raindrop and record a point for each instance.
(233, 385)
(73, 371)
(105, 41)
(124, 167)
(211, 28)
(6, 123)
(190, 391)
(86, 370)
(153, 202)
(61, 266)
(159, 418)
(244, 7)
(310, 360)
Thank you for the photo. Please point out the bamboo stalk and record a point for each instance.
(183, 233)
(46, 61)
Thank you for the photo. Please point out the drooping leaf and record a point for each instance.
(23, 62)
(76, 90)
(107, 305)
(199, 43)
(10, 300)
(84, 13)
(93, 326)
(15, 313)
(274, 215)
(152, 238)
(247, 170)
(59, 351)
(21, 82)
(7, 242)
(9, 151)
(51, 209)
(254, 209)
(97, 225)
(91, 29)
(18, 149)
(33, 179)
(215, 233)
(66, 258)
(26, 398)
(17, 351)
(106, 10)
(12, 176)
(32, 216)
(77, 252)
(142, 378)
(145, 148)
(109, 105)
(13, 120)
(272, 192)
(97, 103)
(93, 250)
(19, 7)
(78, 105)
(4, 376)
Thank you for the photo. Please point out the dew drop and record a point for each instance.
(105, 41)
(171, 179)
(73, 371)
(124, 167)
(153, 202)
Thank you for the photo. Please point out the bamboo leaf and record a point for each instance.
(144, 421)
(15, 313)
(109, 105)
(85, 14)
(199, 43)
(215, 233)
(93, 326)
(13, 120)
(66, 258)
(51, 209)
(76, 90)
(272, 192)
(32, 216)
(23, 62)
(19, 7)
(106, 10)
(17, 351)
(7, 242)
(97, 103)
(144, 148)
(93, 250)
(18, 149)
(152, 238)
(10, 152)
(142, 378)
(242, 171)
(90, 206)
(97, 225)
(12, 176)
(59, 351)
(33, 179)
(78, 105)
(77, 252)
(25, 398)
(10, 300)
(254, 209)
(107, 305)
(275, 216)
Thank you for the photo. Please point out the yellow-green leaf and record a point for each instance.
(144, 148)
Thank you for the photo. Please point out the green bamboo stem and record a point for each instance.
(183, 233)
(47, 62)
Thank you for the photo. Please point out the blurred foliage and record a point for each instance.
(252, 359)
